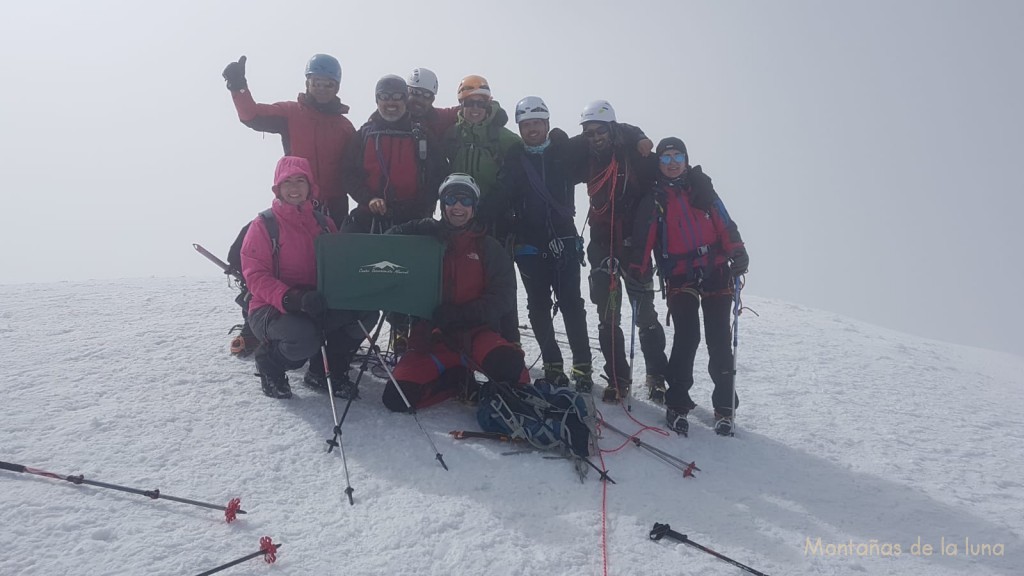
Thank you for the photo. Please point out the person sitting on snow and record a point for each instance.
(479, 288)
(699, 252)
(287, 314)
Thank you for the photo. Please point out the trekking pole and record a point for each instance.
(687, 468)
(664, 530)
(267, 549)
(336, 440)
(230, 511)
(632, 346)
(737, 308)
(391, 377)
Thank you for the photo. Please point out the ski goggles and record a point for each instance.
(475, 103)
(395, 96)
(677, 157)
(595, 132)
(453, 199)
(421, 93)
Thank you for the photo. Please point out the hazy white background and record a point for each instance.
(868, 150)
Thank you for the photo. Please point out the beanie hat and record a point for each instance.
(671, 143)
(391, 84)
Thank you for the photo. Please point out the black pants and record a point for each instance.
(685, 310)
(609, 313)
(543, 274)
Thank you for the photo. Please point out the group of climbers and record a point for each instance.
(505, 197)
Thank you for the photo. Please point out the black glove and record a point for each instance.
(634, 285)
(234, 75)
(739, 262)
(308, 302)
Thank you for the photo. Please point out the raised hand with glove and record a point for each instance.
(305, 301)
(234, 75)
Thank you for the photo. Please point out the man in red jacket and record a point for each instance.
(393, 167)
(479, 287)
(312, 127)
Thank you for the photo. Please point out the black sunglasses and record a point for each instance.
(475, 103)
(392, 96)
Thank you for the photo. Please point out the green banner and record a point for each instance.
(390, 272)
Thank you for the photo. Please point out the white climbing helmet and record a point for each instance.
(423, 78)
(456, 183)
(598, 111)
(531, 107)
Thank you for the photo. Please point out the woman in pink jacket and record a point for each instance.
(286, 312)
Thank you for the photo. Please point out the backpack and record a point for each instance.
(544, 415)
(274, 231)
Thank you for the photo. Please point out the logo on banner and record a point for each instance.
(383, 267)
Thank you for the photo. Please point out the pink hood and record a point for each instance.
(289, 166)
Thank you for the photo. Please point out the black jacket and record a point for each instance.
(548, 213)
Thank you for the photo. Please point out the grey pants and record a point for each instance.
(609, 314)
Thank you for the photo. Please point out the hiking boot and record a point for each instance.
(676, 419)
(656, 388)
(613, 394)
(582, 377)
(315, 376)
(345, 388)
(315, 380)
(275, 386)
(554, 374)
(272, 375)
(723, 425)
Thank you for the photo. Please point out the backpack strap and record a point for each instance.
(270, 223)
(274, 231)
(325, 228)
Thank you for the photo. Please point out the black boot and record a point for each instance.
(341, 348)
(315, 377)
(676, 420)
(272, 375)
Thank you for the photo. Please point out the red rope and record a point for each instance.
(604, 516)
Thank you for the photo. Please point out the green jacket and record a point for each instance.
(479, 149)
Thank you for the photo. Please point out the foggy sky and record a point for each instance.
(868, 150)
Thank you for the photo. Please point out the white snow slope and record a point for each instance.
(860, 436)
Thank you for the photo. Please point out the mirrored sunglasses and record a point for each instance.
(421, 93)
(383, 96)
(452, 200)
(595, 132)
(677, 157)
(475, 103)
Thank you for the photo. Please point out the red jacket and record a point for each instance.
(687, 228)
(384, 162)
(318, 133)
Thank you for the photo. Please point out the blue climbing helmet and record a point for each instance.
(324, 65)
